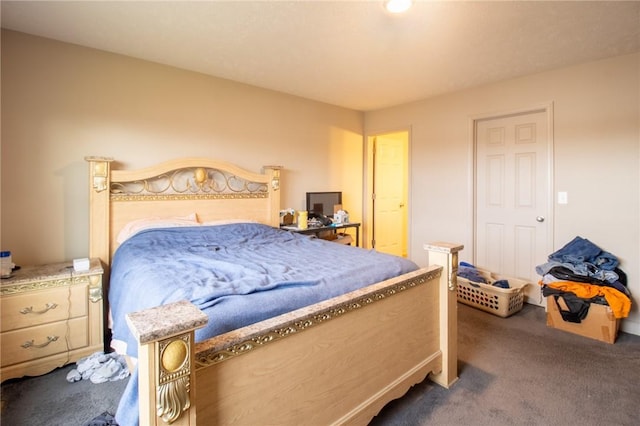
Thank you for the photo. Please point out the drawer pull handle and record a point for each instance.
(30, 310)
(30, 344)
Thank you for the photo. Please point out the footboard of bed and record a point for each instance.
(335, 362)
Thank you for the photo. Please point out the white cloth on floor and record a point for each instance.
(99, 368)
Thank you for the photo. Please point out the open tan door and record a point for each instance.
(390, 193)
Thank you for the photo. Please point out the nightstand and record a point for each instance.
(51, 316)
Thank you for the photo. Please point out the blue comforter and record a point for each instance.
(238, 274)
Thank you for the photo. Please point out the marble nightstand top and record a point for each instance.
(28, 277)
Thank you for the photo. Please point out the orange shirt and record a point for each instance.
(619, 303)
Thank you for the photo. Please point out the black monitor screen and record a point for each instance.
(323, 202)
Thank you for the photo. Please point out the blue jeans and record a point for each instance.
(581, 250)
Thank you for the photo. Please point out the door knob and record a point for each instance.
(540, 218)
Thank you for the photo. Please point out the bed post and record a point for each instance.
(99, 180)
(446, 255)
(166, 367)
(274, 193)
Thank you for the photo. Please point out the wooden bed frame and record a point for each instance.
(336, 362)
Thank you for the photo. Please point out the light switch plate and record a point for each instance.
(563, 197)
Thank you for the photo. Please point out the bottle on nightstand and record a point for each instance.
(6, 265)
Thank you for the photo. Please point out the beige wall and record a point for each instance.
(597, 157)
(61, 102)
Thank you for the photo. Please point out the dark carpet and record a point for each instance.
(51, 400)
(513, 371)
(518, 371)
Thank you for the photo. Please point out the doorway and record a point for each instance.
(388, 192)
(513, 219)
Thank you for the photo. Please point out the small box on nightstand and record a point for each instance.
(81, 265)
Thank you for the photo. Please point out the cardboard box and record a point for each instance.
(599, 324)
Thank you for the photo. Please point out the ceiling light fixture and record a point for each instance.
(397, 6)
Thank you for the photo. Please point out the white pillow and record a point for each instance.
(136, 226)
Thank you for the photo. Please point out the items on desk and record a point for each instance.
(287, 216)
(341, 216)
(318, 219)
(302, 219)
(332, 232)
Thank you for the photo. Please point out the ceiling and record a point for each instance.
(347, 53)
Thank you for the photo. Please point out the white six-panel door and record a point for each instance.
(512, 196)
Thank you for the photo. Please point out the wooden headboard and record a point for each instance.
(214, 190)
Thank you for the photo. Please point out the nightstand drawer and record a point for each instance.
(41, 307)
(43, 340)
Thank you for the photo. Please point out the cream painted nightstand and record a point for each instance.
(51, 316)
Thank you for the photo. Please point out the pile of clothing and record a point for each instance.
(582, 273)
(471, 273)
(99, 368)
